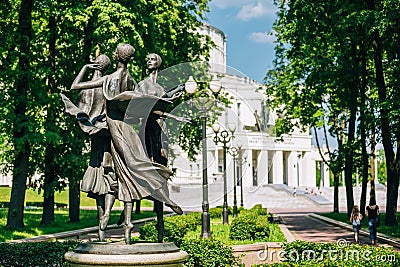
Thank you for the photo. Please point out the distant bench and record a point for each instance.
(35, 204)
(40, 204)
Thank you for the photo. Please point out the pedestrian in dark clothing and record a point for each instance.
(372, 212)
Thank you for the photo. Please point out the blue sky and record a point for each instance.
(247, 25)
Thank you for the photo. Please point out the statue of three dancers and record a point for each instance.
(124, 164)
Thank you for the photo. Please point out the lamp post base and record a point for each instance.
(205, 225)
(235, 211)
(225, 215)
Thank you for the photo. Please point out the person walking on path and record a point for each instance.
(355, 220)
(372, 212)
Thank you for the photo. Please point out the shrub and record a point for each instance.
(262, 230)
(34, 254)
(175, 228)
(208, 253)
(193, 219)
(297, 254)
(148, 232)
(257, 209)
(216, 213)
(243, 227)
(251, 224)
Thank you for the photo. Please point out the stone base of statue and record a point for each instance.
(102, 254)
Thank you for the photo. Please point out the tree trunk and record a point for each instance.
(372, 165)
(88, 39)
(363, 128)
(372, 179)
(391, 201)
(336, 176)
(392, 174)
(349, 161)
(74, 201)
(15, 218)
(50, 170)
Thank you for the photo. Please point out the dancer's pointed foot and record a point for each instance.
(102, 235)
(103, 222)
(176, 209)
(127, 232)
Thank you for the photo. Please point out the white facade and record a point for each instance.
(6, 179)
(218, 54)
(292, 161)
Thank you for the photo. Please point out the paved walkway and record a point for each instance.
(304, 227)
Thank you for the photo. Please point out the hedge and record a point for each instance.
(36, 254)
(303, 253)
(208, 253)
(175, 228)
(251, 224)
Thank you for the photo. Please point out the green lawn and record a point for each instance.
(220, 231)
(60, 197)
(387, 230)
(32, 219)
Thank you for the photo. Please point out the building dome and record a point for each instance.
(217, 53)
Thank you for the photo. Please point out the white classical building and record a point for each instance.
(292, 162)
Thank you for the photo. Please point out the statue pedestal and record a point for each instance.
(103, 254)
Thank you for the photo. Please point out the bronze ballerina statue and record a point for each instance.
(138, 177)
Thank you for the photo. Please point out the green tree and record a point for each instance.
(316, 78)
(20, 122)
(339, 61)
(56, 38)
(385, 43)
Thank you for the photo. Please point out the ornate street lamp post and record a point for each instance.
(241, 160)
(233, 151)
(224, 137)
(204, 104)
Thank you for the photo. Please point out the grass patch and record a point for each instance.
(32, 218)
(60, 197)
(220, 231)
(387, 230)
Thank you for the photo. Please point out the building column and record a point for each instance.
(230, 172)
(246, 169)
(325, 170)
(263, 167)
(277, 167)
(309, 171)
(292, 169)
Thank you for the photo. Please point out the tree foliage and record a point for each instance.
(336, 67)
(64, 35)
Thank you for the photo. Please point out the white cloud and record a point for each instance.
(223, 4)
(255, 10)
(262, 37)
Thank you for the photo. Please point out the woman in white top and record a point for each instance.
(355, 219)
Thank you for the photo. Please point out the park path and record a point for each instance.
(304, 227)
